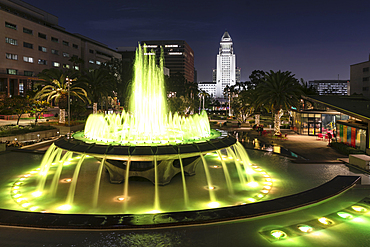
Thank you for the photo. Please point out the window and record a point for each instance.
(65, 43)
(76, 67)
(12, 71)
(11, 56)
(56, 52)
(91, 61)
(365, 69)
(56, 40)
(28, 31)
(365, 78)
(10, 25)
(43, 62)
(365, 88)
(41, 35)
(56, 64)
(28, 59)
(98, 62)
(65, 66)
(65, 54)
(75, 46)
(28, 73)
(11, 41)
(43, 49)
(91, 51)
(27, 45)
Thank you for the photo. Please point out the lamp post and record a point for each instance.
(69, 82)
(229, 104)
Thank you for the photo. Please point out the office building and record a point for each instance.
(178, 56)
(360, 78)
(330, 87)
(31, 40)
(226, 72)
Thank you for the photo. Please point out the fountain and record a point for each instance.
(82, 174)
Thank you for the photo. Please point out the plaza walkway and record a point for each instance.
(309, 147)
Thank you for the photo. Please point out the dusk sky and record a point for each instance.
(315, 39)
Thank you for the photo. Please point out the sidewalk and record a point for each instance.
(309, 147)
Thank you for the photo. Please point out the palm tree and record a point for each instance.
(100, 86)
(278, 91)
(56, 88)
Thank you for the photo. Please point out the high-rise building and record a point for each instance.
(330, 87)
(178, 56)
(226, 72)
(31, 40)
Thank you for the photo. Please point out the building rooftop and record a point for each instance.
(358, 107)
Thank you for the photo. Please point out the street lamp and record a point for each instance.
(69, 82)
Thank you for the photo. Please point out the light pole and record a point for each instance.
(229, 104)
(69, 82)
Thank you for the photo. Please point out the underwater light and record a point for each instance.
(259, 195)
(345, 215)
(251, 200)
(359, 209)
(267, 187)
(278, 234)
(15, 187)
(154, 212)
(26, 204)
(265, 191)
(213, 204)
(65, 207)
(305, 228)
(17, 195)
(252, 184)
(120, 198)
(36, 193)
(325, 221)
(34, 208)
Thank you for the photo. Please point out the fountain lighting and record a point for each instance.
(214, 204)
(144, 141)
(253, 184)
(278, 234)
(325, 221)
(359, 209)
(65, 207)
(36, 193)
(305, 228)
(345, 215)
(33, 208)
(120, 198)
(26, 204)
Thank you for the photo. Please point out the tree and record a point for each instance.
(17, 105)
(278, 91)
(76, 60)
(122, 73)
(38, 107)
(56, 88)
(100, 84)
(256, 78)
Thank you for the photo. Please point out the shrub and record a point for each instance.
(345, 149)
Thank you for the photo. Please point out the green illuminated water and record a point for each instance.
(147, 121)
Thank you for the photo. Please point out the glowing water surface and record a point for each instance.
(147, 120)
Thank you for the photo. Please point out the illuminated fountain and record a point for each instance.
(144, 142)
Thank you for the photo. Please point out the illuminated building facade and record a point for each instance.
(178, 56)
(31, 40)
(226, 72)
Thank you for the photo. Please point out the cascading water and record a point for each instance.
(128, 145)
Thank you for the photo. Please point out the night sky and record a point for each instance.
(315, 39)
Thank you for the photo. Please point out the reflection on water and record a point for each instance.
(254, 143)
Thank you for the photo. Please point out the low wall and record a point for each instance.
(32, 136)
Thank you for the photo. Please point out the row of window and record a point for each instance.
(30, 46)
(40, 35)
(30, 59)
(31, 73)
